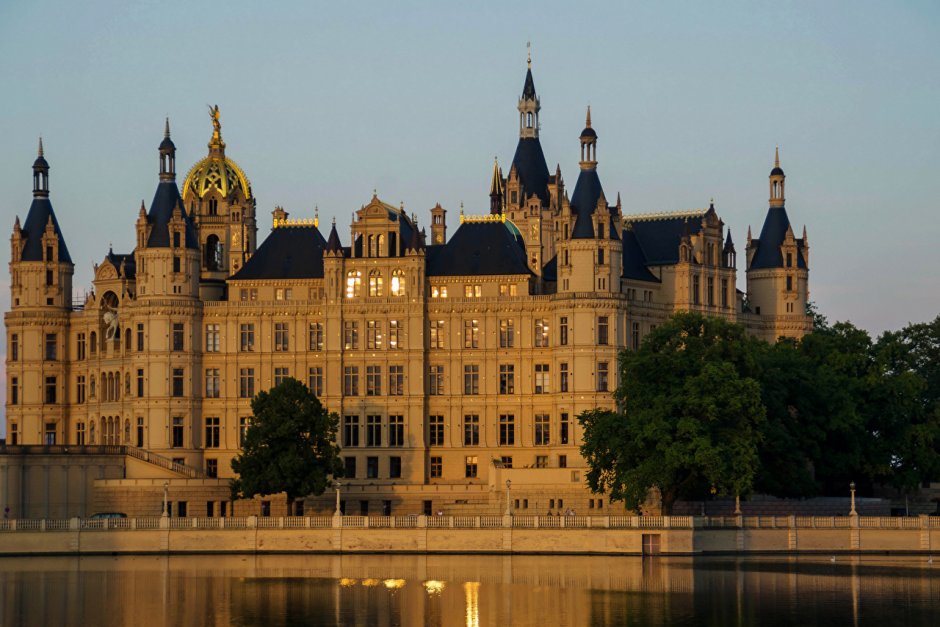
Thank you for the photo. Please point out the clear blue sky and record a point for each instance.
(322, 102)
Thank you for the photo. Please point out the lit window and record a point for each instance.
(353, 284)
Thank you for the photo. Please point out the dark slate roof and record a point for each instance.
(333, 244)
(777, 171)
(528, 89)
(583, 203)
(634, 262)
(550, 269)
(129, 261)
(529, 161)
(588, 132)
(289, 252)
(165, 200)
(659, 239)
(479, 248)
(772, 234)
(35, 226)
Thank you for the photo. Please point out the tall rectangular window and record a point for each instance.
(472, 291)
(213, 385)
(471, 430)
(176, 440)
(79, 388)
(15, 434)
(351, 381)
(315, 382)
(507, 379)
(470, 466)
(212, 471)
(350, 335)
(281, 332)
(243, 423)
(471, 334)
(80, 433)
(507, 430)
(49, 434)
(396, 430)
(543, 428)
(711, 291)
(14, 347)
(178, 377)
(212, 433)
(280, 375)
(374, 334)
(373, 380)
(140, 432)
(471, 380)
(435, 430)
(603, 330)
(394, 467)
(212, 338)
(696, 290)
(635, 339)
(435, 380)
(248, 294)
(177, 261)
(140, 337)
(602, 374)
(563, 376)
(140, 383)
(542, 379)
(372, 468)
(349, 470)
(178, 330)
(506, 334)
(246, 383)
(563, 429)
(541, 333)
(436, 468)
(247, 333)
(373, 430)
(437, 334)
(563, 331)
(316, 336)
(724, 292)
(789, 283)
(14, 391)
(350, 431)
(79, 346)
(394, 335)
(51, 352)
(396, 380)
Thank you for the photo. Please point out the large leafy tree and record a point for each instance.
(289, 447)
(688, 418)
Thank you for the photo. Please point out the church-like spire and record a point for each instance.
(167, 155)
(529, 106)
(777, 182)
(40, 174)
(588, 144)
(496, 189)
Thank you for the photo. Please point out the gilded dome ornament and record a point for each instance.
(216, 172)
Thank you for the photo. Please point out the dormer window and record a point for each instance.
(789, 261)
(600, 230)
(176, 239)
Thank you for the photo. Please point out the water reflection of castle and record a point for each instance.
(467, 590)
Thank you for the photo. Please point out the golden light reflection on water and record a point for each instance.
(394, 584)
(471, 591)
(434, 587)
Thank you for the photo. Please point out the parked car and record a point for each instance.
(104, 515)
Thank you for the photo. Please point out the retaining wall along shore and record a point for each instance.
(615, 535)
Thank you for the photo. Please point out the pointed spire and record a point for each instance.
(729, 243)
(166, 131)
(333, 244)
(143, 209)
(528, 46)
(587, 122)
(777, 156)
(805, 238)
(496, 189)
(40, 146)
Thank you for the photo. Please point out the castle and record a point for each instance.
(458, 366)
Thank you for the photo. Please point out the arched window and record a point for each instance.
(213, 253)
(353, 284)
(375, 283)
(398, 283)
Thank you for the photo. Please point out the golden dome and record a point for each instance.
(216, 171)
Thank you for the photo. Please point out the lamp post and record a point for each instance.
(336, 485)
(852, 512)
(166, 493)
(508, 487)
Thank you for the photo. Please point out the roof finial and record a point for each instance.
(40, 145)
(777, 157)
(166, 128)
(588, 121)
(528, 46)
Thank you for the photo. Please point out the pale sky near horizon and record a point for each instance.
(321, 104)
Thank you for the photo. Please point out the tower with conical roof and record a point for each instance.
(38, 324)
(218, 197)
(778, 269)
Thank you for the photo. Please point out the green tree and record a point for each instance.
(688, 419)
(289, 447)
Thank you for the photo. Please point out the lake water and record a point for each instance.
(468, 590)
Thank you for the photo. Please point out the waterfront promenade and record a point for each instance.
(607, 535)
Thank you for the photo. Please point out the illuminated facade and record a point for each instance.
(454, 363)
